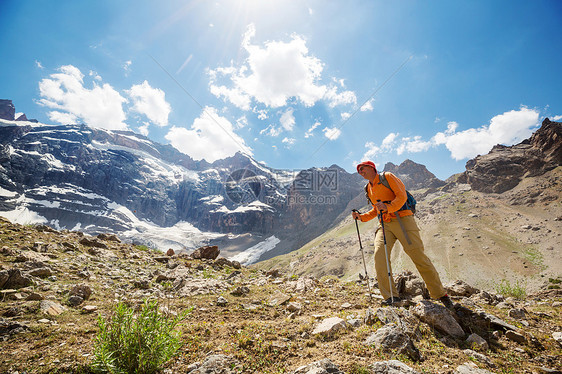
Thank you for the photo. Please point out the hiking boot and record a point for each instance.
(392, 300)
(446, 300)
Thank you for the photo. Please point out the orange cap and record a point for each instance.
(367, 163)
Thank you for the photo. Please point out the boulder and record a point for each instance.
(460, 288)
(14, 278)
(439, 318)
(51, 308)
(210, 252)
(478, 341)
(82, 291)
(330, 326)
(391, 336)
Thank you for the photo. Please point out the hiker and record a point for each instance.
(389, 202)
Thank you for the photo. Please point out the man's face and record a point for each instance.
(367, 172)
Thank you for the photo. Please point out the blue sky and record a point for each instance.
(292, 82)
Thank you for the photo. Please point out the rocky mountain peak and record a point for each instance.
(415, 176)
(7, 109)
(549, 140)
(505, 166)
(8, 112)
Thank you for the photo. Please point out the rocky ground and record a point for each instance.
(54, 285)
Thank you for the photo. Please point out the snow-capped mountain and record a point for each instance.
(80, 178)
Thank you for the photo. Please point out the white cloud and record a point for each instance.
(262, 113)
(101, 106)
(389, 141)
(508, 128)
(274, 73)
(151, 102)
(345, 116)
(241, 122)
(308, 132)
(61, 117)
(368, 106)
(342, 98)
(556, 118)
(413, 145)
(288, 119)
(127, 66)
(211, 137)
(288, 141)
(372, 151)
(331, 133)
(144, 129)
(38, 64)
(271, 130)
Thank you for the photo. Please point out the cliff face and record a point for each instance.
(504, 167)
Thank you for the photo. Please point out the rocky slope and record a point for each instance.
(54, 285)
(504, 167)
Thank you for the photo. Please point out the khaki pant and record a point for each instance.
(415, 250)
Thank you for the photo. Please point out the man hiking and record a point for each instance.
(388, 203)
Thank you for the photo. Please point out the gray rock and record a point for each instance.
(75, 300)
(92, 242)
(330, 326)
(240, 291)
(438, 317)
(495, 322)
(324, 366)
(81, 290)
(11, 327)
(515, 336)
(470, 368)
(279, 298)
(217, 364)
(391, 367)
(51, 308)
(479, 357)
(221, 301)
(14, 278)
(475, 339)
(558, 337)
(460, 288)
(391, 336)
(517, 313)
(369, 318)
(42, 272)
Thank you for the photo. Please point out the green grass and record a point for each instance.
(507, 289)
(136, 343)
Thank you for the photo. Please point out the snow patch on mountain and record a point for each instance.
(23, 216)
(252, 254)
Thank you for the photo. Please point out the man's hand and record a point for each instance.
(381, 207)
(356, 215)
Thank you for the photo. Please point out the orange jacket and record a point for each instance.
(397, 197)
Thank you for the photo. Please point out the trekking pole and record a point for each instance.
(386, 257)
(363, 255)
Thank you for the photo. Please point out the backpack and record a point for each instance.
(410, 202)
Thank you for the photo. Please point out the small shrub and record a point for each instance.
(129, 343)
(517, 290)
